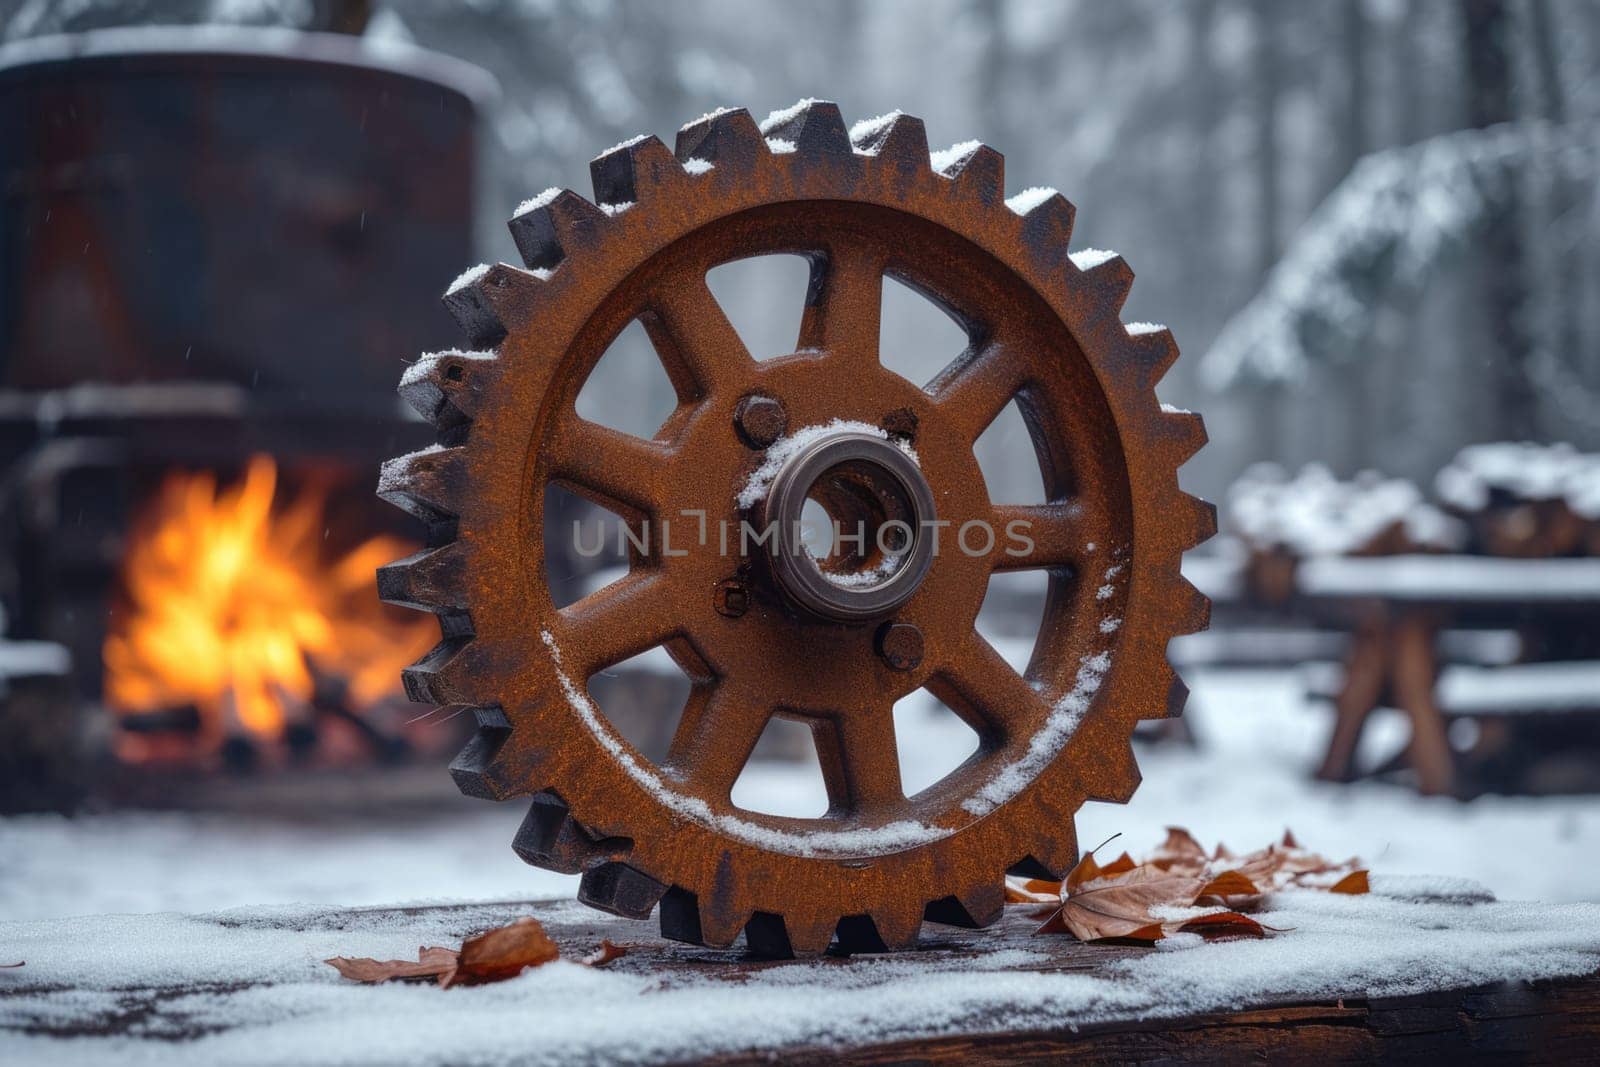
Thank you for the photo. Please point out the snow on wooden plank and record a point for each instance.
(1524, 687)
(249, 986)
(1453, 579)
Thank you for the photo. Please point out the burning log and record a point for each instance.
(234, 609)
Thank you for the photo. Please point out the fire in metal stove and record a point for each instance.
(242, 636)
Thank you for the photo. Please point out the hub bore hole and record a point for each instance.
(858, 524)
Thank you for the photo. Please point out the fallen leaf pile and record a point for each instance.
(492, 956)
(1180, 889)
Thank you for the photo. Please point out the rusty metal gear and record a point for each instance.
(757, 640)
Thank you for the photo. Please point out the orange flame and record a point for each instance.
(230, 602)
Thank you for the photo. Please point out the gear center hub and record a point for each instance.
(851, 517)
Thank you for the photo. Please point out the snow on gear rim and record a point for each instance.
(1043, 331)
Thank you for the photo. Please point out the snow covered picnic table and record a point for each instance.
(1398, 606)
(1421, 967)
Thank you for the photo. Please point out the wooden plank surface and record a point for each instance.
(1542, 1021)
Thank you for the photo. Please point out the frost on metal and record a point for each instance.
(755, 487)
(942, 160)
(777, 118)
(1090, 258)
(467, 277)
(418, 371)
(534, 203)
(1046, 744)
(864, 841)
(865, 131)
(1029, 199)
(1065, 715)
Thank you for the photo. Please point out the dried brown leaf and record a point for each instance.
(1230, 884)
(1354, 883)
(609, 950)
(1179, 852)
(1121, 865)
(491, 956)
(1031, 890)
(1123, 907)
(1223, 924)
(1087, 870)
(430, 963)
(502, 953)
(1128, 901)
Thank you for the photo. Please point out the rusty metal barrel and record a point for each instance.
(264, 208)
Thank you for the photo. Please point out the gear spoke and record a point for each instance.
(974, 389)
(695, 340)
(979, 685)
(861, 761)
(1045, 536)
(845, 306)
(602, 465)
(627, 617)
(719, 729)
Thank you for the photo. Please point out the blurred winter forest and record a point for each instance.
(1370, 223)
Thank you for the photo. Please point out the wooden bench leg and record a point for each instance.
(1416, 672)
(1365, 670)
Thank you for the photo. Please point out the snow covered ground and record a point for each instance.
(1247, 782)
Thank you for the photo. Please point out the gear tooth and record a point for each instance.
(883, 930)
(1156, 349)
(903, 141)
(441, 675)
(728, 139)
(977, 907)
(477, 769)
(1196, 613)
(434, 580)
(1031, 866)
(1109, 276)
(767, 935)
(1177, 697)
(980, 173)
(428, 483)
(776, 937)
(629, 172)
(721, 931)
(814, 127)
(484, 300)
(551, 226)
(1187, 433)
(620, 889)
(1115, 776)
(445, 387)
(1202, 520)
(680, 916)
(1047, 225)
(551, 838)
